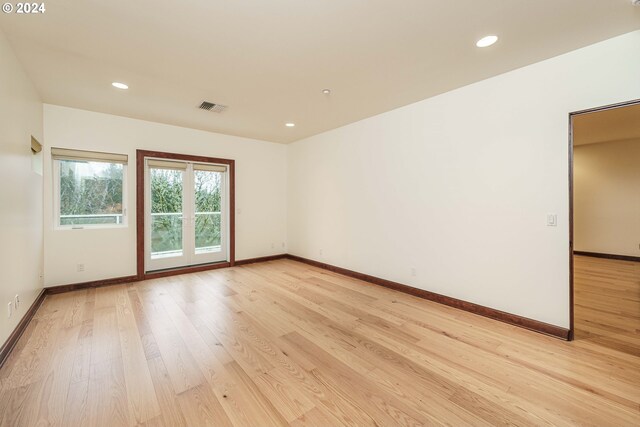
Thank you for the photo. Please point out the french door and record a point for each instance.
(186, 213)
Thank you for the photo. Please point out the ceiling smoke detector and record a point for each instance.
(210, 106)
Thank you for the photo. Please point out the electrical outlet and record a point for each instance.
(320, 251)
(413, 271)
(80, 268)
(273, 245)
(9, 310)
(283, 244)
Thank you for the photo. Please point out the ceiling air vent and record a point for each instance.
(210, 106)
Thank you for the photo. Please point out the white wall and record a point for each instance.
(606, 198)
(458, 186)
(109, 253)
(21, 190)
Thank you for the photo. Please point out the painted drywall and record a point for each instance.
(606, 197)
(109, 253)
(451, 194)
(21, 192)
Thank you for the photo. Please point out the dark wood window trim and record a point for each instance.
(140, 220)
(571, 252)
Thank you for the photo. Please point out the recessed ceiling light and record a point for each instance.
(487, 41)
(289, 125)
(326, 91)
(119, 85)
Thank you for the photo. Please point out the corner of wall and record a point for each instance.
(21, 213)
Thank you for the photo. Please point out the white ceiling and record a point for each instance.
(617, 124)
(269, 60)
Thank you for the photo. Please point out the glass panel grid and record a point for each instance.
(90, 193)
(208, 218)
(166, 213)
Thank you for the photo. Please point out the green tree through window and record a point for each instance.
(90, 192)
(166, 209)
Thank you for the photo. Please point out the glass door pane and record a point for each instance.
(167, 225)
(208, 203)
(185, 215)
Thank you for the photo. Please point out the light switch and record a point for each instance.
(552, 220)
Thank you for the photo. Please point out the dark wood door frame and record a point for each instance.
(571, 278)
(140, 209)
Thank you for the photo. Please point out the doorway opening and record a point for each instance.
(604, 187)
(184, 213)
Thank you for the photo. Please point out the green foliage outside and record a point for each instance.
(90, 188)
(166, 198)
(95, 188)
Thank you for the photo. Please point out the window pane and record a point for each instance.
(207, 191)
(207, 232)
(166, 213)
(208, 220)
(90, 193)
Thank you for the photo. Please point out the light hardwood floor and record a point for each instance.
(607, 303)
(283, 343)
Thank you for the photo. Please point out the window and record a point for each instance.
(89, 189)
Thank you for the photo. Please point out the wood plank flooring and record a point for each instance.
(283, 343)
(607, 303)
